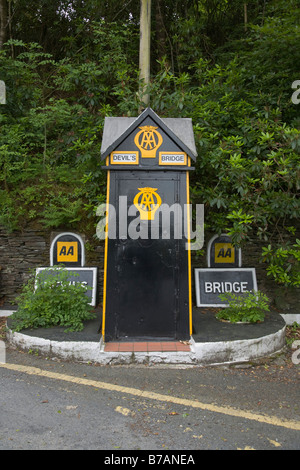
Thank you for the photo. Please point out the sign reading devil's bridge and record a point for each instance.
(148, 142)
(147, 281)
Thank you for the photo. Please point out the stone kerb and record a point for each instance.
(202, 354)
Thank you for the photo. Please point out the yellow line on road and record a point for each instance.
(226, 410)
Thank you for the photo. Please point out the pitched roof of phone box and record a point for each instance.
(117, 129)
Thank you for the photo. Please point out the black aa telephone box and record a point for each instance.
(147, 271)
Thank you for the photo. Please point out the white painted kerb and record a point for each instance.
(201, 353)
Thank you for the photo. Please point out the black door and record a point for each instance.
(147, 279)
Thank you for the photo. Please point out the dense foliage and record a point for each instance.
(229, 66)
(50, 299)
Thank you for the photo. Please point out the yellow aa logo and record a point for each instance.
(148, 140)
(147, 201)
(67, 251)
(224, 253)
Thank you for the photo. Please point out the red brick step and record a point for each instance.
(156, 346)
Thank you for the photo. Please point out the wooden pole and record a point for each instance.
(245, 17)
(144, 65)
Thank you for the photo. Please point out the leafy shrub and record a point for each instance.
(284, 263)
(249, 307)
(49, 299)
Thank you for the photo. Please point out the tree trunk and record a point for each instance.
(160, 31)
(245, 17)
(3, 22)
(145, 30)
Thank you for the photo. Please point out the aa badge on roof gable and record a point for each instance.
(148, 140)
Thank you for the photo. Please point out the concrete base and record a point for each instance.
(6, 313)
(212, 343)
(291, 318)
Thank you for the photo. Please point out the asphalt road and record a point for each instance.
(49, 404)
